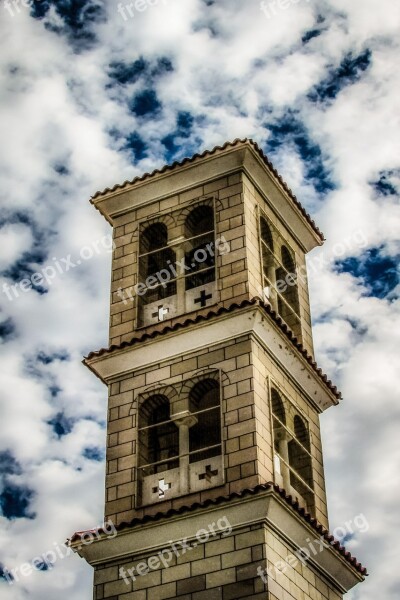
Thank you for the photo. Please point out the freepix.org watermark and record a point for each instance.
(272, 8)
(48, 559)
(129, 9)
(13, 7)
(175, 549)
(174, 269)
(357, 240)
(59, 266)
(314, 547)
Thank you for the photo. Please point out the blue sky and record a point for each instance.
(91, 96)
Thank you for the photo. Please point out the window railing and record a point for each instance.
(293, 463)
(279, 281)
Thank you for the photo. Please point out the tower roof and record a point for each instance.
(237, 143)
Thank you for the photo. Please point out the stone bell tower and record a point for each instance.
(215, 477)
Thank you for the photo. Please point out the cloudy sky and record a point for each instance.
(91, 95)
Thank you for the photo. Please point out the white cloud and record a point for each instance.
(63, 124)
(14, 240)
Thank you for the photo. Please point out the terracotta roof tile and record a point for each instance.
(206, 153)
(176, 324)
(246, 492)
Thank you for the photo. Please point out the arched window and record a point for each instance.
(199, 221)
(279, 275)
(300, 461)
(180, 440)
(199, 247)
(266, 235)
(154, 237)
(158, 436)
(288, 301)
(301, 432)
(279, 417)
(277, 406)
(267, 246)
(205, 435)
(177, 264)
(155, 257)
(292, 450)
(268, 262)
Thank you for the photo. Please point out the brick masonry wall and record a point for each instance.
(252, 198)
(246, 433)
(225, 567)
(238, 432)
(231, 267)
(238, 272)
(222, 568)
(266, 371)
(298, 581)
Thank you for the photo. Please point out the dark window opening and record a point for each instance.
(279, 415)
(288, 304)
(199, 221)
(267, 249)
(158, 436)
(280, 276)
(156, 258)
(299, 457)
(154, 237)
(205, 436)
(199, 246)
(292, 449)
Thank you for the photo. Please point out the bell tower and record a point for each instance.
(215, 478)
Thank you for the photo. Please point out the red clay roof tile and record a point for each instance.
(161, 329)
(245, 492)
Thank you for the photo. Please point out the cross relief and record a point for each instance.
(209, 473)
(161, 488)
(203, 298)
(160, 313)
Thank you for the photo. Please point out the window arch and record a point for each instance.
(292, 449)
(288, 303)
(155, 257)
(279, 275)
(277, 406)
(301, 432)
(266, 236)
(268, 261)
(158, 435)
(154, 237)
(300, 460)
(279, 417)
(205, 435)
(180, 439)
(199, 246)
(199, 221)
(177, 264)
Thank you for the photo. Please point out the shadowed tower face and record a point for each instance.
(214, 396)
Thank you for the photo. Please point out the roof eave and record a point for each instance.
(111, 202)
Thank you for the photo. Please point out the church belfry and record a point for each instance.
(215, 474)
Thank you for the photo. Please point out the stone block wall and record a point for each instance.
(251, 561)
(227, 194)
(267, 373)
(222, 568)
(233, 358)
(238, 272)
(297, 580)
(252, 200)
(247, 372)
